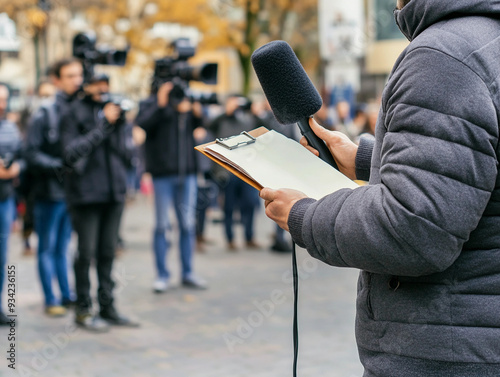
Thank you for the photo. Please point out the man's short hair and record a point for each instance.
(57, 67)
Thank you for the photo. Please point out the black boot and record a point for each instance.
(110, 315)
(90, 322)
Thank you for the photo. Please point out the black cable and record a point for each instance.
(295, 311)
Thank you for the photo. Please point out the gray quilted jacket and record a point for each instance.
(426, 231)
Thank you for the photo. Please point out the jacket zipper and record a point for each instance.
(369, 294)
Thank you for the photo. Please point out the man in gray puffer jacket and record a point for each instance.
(426, 231)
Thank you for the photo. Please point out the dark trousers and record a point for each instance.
(238, 194)
(97, 228)
(207, 197)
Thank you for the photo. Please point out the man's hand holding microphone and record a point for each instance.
(279, 203)
(277, 67)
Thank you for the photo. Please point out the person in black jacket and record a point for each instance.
(171, 160)
(10, 168)
(96, 145)
(43, 155)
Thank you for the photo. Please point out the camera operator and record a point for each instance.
(96, 144)
(10, 168)
(44, 158)
(236, 119)
(169, 121)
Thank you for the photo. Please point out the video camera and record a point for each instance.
(244, 104)
(84, 48)
(176, 69)
(122, 102)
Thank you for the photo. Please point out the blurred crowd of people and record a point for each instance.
(72, 158)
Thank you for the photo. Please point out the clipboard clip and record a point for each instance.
(236, 141)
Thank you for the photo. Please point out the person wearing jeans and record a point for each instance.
(7, 211)
(44, 157)
(10, 168)
(169, 123)
(53, 226)
(181, 192)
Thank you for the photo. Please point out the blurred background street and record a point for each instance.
(188, 333)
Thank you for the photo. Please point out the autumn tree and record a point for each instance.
(240, 24)
(32, 16)
(260, 20)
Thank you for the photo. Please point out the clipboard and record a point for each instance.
(232, 143)
(236, 141)
(264, 158)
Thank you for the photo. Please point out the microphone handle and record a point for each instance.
(315, 142)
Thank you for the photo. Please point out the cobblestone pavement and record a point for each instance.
(240, 326)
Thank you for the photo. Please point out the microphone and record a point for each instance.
(290, 92)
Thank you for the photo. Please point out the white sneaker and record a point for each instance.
(160, 285)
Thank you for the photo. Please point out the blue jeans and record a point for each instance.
(181, 193)
(238, 194)
(7, 214)
(53, 226)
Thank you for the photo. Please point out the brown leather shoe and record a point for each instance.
(55, 311)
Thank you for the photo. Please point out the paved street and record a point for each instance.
(241, 326)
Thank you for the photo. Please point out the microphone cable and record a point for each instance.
(295, 310)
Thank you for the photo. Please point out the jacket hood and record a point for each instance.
(418, 15)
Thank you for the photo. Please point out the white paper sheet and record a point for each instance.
(276, 161)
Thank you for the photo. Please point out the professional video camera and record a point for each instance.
(122, 102)
(244, 104)
(176, 69)
(84, 48)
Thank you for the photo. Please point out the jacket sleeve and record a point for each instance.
(122, 144)
(438, 170)
(77, 146)
(38, 161)
(150, 115)
(20, 152)
(364, 157)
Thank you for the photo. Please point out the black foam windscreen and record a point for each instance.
(288, 89)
